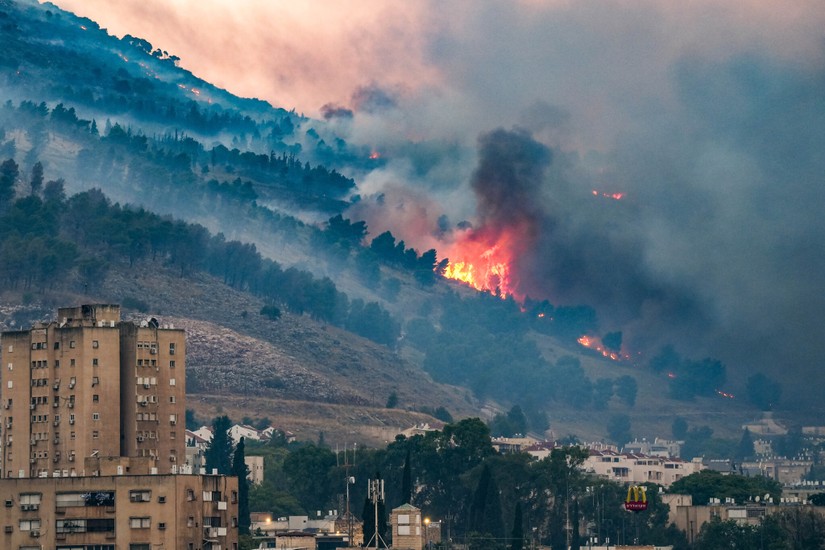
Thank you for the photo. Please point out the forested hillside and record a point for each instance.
(115, 159)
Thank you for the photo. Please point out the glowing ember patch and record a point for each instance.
(725, 394)
(593, 342)
(671, 375)
(375, 155)
(614, 196)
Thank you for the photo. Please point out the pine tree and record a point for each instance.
(241, 471)
(218, 453)
(37, 178)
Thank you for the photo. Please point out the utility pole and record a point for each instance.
(349, 481)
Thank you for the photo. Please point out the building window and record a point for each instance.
(171, 364)
(95, 344)
(72, 344)
(57, 345)
(95, 380)
(71, 362)
(140, 495)
(29, 524)
(190, 522)
(171, 381)
(57, 363)
(139, 546)
(140, 523)
(95, 416)
(72, 435)
(171, 398)
(95, 434)
(95, 398)
(94, 362)
(172, 348)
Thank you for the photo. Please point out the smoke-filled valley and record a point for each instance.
(679, 235)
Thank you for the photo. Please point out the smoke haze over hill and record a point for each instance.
(708, 117)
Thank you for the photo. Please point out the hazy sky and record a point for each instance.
(709, 115)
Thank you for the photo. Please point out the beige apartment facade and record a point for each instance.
(89, 385)
(120, 512)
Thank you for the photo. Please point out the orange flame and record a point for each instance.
(593, 342)
(488, 272)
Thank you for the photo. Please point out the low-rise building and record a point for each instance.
(633, 468)
(658, 447)
(255, 464)
(109, 512)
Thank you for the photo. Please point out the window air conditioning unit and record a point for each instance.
(35, 533)
(71, 458)
(71, 404)
(71, 421)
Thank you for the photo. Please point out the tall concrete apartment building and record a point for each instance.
(93, 405)
(91, 385)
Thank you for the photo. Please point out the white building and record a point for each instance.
(637, 468)
(249, 433)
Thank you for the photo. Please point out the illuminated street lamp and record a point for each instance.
(427, 533)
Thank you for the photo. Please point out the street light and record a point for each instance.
(427, 533)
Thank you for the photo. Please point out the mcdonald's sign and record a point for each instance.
(636, 500)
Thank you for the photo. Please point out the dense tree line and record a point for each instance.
(455, 475)
(40, 237)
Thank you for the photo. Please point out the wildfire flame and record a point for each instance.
(593, 342)
(614, 196)
(490, 272)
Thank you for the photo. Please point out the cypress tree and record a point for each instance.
(406, 481)
(485, 513)
(218, 453)
(368, 516)
(517, 536)
(240, 470)
(575, 538)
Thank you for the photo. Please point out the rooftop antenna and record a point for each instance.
(376, 495)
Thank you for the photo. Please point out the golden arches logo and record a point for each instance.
(636, 500)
